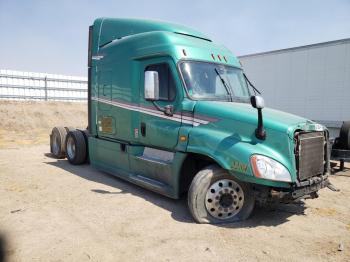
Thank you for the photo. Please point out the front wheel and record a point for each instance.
(216, 197)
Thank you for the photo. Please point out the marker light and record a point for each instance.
(219, 57)
(225, 59)
(183, 138)
(213, 56)
(184, 52)
(267, 168)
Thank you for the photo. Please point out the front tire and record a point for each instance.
(216, 197)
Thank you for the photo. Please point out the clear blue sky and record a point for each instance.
(51, 36)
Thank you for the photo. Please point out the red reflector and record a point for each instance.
(184, 51)
(219, 57)
(213, 56)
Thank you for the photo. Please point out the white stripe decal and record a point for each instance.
(175, 117)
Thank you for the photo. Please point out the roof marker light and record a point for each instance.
(225, 59)
(184, 52)
(219, 57)
(213, 56)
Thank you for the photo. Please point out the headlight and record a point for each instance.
(267, 168)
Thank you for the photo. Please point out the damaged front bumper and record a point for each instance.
(308, 187)
(298, 190)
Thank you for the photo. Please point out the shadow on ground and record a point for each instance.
(178, 208)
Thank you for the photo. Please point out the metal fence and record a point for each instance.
(19, 85)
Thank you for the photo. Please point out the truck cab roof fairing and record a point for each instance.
(114, 28)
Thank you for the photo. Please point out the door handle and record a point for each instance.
(143, 129)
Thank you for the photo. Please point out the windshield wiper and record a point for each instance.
(254, 88)
(224, 84)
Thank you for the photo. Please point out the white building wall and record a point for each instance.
(312, 81)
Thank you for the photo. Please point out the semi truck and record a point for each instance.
(172, 111)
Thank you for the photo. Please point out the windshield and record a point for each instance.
(209, 81)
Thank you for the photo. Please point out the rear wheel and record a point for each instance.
(57, 141)
(76, 147)
(217, 197)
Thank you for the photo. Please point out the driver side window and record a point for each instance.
(167, 90)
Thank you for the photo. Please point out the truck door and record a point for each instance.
(157, 129)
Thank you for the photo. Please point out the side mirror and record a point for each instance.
(257, 102)
(151, 85)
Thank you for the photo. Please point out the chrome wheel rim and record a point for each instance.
(70, 147)
(224, 199)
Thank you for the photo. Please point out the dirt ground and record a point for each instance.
(53, 211)
(29, 123)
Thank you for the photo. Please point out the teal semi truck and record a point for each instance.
(173, 112)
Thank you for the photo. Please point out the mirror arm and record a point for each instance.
(260, 132)
(157, 106)
(167, 110)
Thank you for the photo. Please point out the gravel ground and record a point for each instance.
(53, 211)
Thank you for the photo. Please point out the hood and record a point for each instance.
(244, 113)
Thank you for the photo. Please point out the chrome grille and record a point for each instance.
(310, 154)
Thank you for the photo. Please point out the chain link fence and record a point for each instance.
(19, 85)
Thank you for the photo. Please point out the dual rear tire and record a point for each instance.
(57, 141)
(71, 143)
(76, 147)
